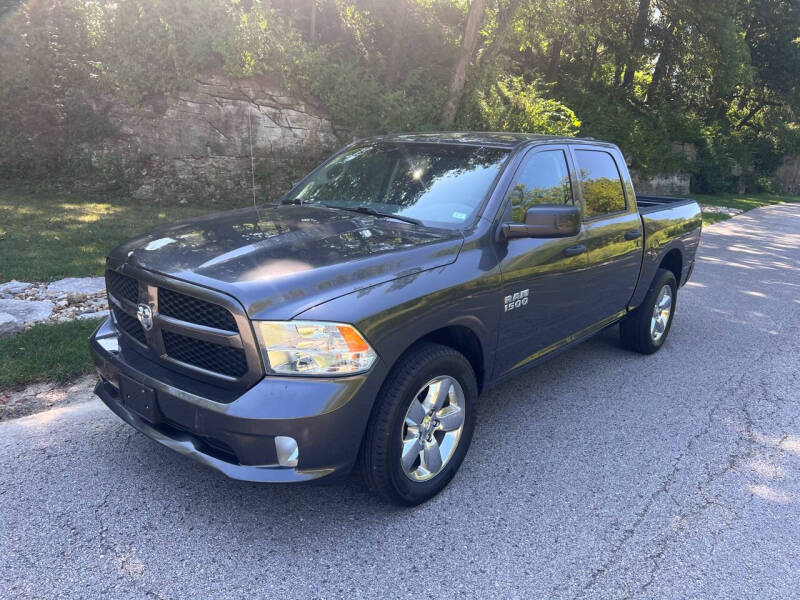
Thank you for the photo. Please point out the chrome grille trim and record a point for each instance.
(243, 339)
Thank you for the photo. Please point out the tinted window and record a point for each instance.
(542, 179)
(601, 183)
(440, 184)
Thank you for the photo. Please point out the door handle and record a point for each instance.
(574, 250)
(632, 235)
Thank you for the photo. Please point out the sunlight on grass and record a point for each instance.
(743, 202)
(91, 212)
(47, 236)
(711, 218)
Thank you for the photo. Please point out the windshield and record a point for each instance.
(441, 185)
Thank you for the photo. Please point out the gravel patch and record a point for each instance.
(721, 210)
(64, 305)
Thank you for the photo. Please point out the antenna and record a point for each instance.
(252, 160)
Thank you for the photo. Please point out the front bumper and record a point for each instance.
(234, 432)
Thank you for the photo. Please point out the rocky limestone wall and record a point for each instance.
(788, 175)
(672, 184)
(676, 183)
(197, 143)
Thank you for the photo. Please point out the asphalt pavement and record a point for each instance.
(599, 474)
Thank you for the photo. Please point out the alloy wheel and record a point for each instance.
(432, 428)
(661, 313)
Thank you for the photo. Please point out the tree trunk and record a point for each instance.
(312, 30)
(592, 63)
(468, 43)
(662, 65)
(554, 61)
(637, 41)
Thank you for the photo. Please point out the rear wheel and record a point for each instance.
(421, 426)
(646, 328)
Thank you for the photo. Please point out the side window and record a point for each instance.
(542, 179)
(601, 183)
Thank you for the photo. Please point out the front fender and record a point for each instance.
(394, 315)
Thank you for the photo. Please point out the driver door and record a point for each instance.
(545, 299)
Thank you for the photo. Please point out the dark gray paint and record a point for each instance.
(397, 283)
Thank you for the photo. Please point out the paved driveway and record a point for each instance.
(599, 474)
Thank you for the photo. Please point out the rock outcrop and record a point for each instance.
(788, 175)
(197, 143)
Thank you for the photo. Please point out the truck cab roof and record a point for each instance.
(497, 139)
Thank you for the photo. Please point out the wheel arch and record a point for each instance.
(461, 338)
(464, 340)
(673, 261)
(670, 257)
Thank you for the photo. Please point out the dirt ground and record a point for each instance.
(42, 396)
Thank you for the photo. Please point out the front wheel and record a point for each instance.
(646, 328)
(421, 426)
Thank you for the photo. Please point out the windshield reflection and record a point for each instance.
(439, 185)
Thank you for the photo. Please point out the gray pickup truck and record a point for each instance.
(356, 322)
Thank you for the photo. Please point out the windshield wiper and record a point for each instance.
(366, 210)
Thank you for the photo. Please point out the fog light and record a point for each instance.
(287, 450)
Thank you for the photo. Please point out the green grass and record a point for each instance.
(741, 201)
(46, 235)
(56, 352)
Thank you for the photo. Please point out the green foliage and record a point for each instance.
(146, 47)
(724, 77)
(512, 105)
(45, 81)
(262, 42)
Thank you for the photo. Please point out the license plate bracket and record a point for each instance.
(139, 398)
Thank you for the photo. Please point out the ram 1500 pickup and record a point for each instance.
(355, 322)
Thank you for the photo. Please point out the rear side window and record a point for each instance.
(542, 179)
(601, 183)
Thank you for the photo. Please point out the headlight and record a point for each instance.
(313, 348)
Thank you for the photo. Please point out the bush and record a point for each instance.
(512, 105)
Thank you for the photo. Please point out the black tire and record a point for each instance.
(380, 456)
(634, 329)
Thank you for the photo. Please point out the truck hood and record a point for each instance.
(281, 260)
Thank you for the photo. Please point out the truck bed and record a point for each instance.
(649, 204)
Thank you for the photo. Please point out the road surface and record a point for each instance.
(599, 474)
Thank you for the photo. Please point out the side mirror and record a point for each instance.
(546, 221)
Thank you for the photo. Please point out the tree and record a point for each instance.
(468, 44)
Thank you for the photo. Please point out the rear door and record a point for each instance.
(544, 279)
(613, 229)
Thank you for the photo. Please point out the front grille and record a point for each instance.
(179, 338)
(183, 307)
(122, 286)
(206, 355)
(129, 325)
